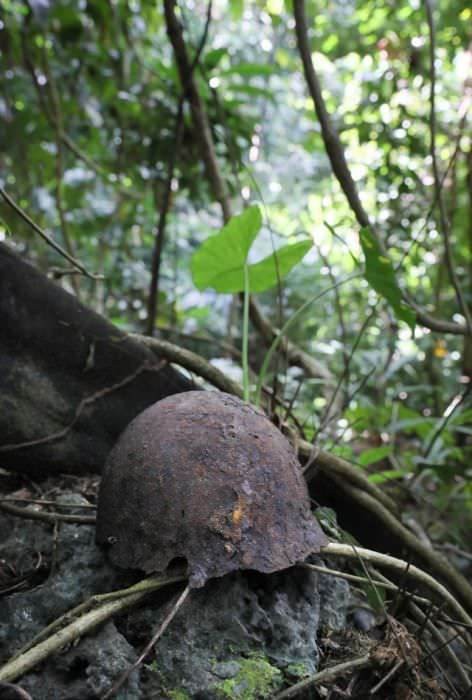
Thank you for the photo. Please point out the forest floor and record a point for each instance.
(245, 636)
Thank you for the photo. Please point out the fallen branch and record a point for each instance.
(155, 638)
(88, 616)
(327, 675)
(402, 567)
(435, 562)
(96, 610)
(46, 517)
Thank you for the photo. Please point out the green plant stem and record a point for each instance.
(286, 326)
(245, 349)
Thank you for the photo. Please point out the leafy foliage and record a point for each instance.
(89, 98)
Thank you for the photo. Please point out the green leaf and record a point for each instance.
(388, 475)
(219, 262)
(374, 455)
(380, 275)
(221, 258)
(266, 273)
(237, 9)
(212, 58)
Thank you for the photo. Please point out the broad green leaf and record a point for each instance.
(222, 257)
(266, 273)
(374, 455)
(380, 275)
(219, 262)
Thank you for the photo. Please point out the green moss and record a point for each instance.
(297, 671)
(256, 679)
(178, 695)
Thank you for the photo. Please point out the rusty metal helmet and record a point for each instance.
(205, 477)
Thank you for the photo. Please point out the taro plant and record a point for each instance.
(221, 263)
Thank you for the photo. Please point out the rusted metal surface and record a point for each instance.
(204, 476)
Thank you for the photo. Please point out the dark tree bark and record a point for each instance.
(70, 381)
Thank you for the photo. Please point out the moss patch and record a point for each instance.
(297, 671)
(256, 679)
(178, 695)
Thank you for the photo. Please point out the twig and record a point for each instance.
(433, 630)
(35, 651)
(46, 237)
(43, 502)
(455, 550)
(153, 296)
(399, 565)
(83, 403)
(451, 409)
(325, 676)
(54, 518)
(191, 361)
(339, 164)
(388, 585)
(437, 178)
(387, 677)
(107, 606)
(162, 628)
(436, 563)
(57, 110)
(331, 464)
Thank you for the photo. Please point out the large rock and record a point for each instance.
(240, 636)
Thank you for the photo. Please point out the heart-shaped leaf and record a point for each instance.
(221, 258)
(220, 261)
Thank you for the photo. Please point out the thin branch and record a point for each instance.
(339, 164)
(153, 296)
(53, 518)
(192, 362)
(83, 403)
(159, 241)
(437, 178)
(448, 414)
(45, 236)
(103, 607)
(433, 630)
(400, 566)
(387, 585)
(327, 675)
(56, 106)
(439, 565)
(162, 628)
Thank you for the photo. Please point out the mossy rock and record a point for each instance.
(178, 695)
(256, 679)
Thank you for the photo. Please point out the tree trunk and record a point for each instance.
(70, 381)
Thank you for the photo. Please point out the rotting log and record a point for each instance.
(70, 381)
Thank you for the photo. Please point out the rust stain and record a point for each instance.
(239, 512)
